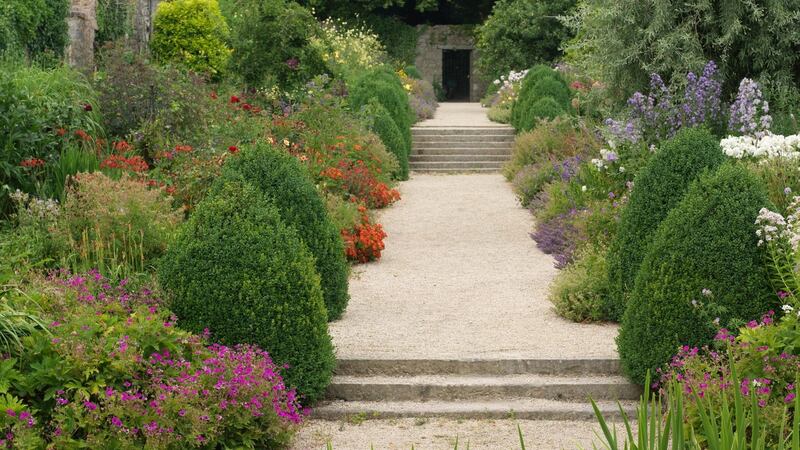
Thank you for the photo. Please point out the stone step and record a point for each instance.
(473, 387)
(455, 171)
(493, 138)
(444, 144)
(474, 131)
(468, 157)
(461, 151)
(520, 409)
(401, 367)
(457, 165)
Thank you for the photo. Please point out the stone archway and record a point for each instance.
(456, 43)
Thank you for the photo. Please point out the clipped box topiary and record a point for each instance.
(387, 130)
(535, 74)
(660, 185)
(283, 180)
(535, 109)
(708, 241)
(555, 88)
(237, 269)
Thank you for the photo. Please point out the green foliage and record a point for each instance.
(412, 72)
(384, 126)
(281, 178)
(114, 20)
(658, 188)
(622, 42)
(34, 104)
(398, 37)
(552, 87)
(192, 33)
(117, 226)
(271, 43)
(385, 86)
(534, 110)
(239, 270)
(579, 290)
(707, 241)
(36, 27)
(348, 51)
(521, 33)
(523, 118)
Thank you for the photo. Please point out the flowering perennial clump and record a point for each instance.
(766, 146)
(364, 243)
(509, 86)
(750, 112)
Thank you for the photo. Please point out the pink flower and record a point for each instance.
(89, 405)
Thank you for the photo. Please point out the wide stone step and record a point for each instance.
(522, 409)
(494, 138)
(455, 171)
(461, 151)
(473, 131)
(472, 387)
(458, 165)
(401, 367)
(457, 157)
(497, 145)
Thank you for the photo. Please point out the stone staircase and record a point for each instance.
(460, 149)
(477, 389)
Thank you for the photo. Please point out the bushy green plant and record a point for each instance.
(412, 72)
(36, 27)
(240, 271)
(385, 86)
(703, 263)
(521, 33)
(551, 141)
(281, 178)
(552, 87)
(117, 226)
(257, 26)
(348, 51)
(114, 20)
(398, 37)
(658, 188)
(192, 33)
(579, 290)
(38, 108)
(382, 124)
(527, 108)
(534, 110)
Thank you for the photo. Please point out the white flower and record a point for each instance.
(787, 309)
(706, 292)
(621, 169)
(583, 188)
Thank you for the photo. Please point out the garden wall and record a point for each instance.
(433, 40)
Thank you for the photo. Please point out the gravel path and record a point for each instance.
(452, 114)
(460, 278)
(439, 434)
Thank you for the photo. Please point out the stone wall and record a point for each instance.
(435, 38)
(82, 25)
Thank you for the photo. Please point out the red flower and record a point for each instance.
(214, 95)
(135, 164)
(247, 106)
(87, 107)
(122, 146)
(183, 148)
(32, 163)
(83, 135)
(61, 132)
(233, 149)
(235, 99)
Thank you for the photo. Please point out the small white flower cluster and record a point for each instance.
(31, 209)
(606, 157)
(772, 226)
(788, 309)
(769, 146)
(509, 85)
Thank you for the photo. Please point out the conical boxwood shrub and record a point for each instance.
(237, 269)
(660, 185)
(536, 108)
(707, 241)
(385, 87)
(390, 135)
(283, 180)
(535, 74)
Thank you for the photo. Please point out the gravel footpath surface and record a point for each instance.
(439, 434)
(460, 278)
(453, 114)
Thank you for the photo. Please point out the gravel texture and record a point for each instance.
(440, 434)
(453, 114)
(460, 278)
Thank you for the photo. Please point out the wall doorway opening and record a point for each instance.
(455, 75)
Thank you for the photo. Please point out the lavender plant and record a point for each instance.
(749, 113)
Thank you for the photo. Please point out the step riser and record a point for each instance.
(456, 165)
(407, 392)
(399, 367)
(458, 158)
(461, 151)
(459, 138)
(587, 415)
(482, 146)
(462, 132)
(454, 171)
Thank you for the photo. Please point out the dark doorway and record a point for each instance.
(455, 75)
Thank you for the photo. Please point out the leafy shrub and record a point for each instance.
(553, 140)
(412, 72)
(39, 110)
(499, 114)
(237, 269)
(112, 368)
(114, 21)
(521, 33)
(659, 187)
(579, 291)
(257, 25)
(348, 52)
(398, 37)
(704, 247)
(530, 180)
(544, 108)
(343, 214)
(37, 27)
(384, 126)
(421, 95)
(552, 87)
(535, 99)
(135, 95)
(281, 178)
(113, 224)
(782, 178)
(192, 33)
